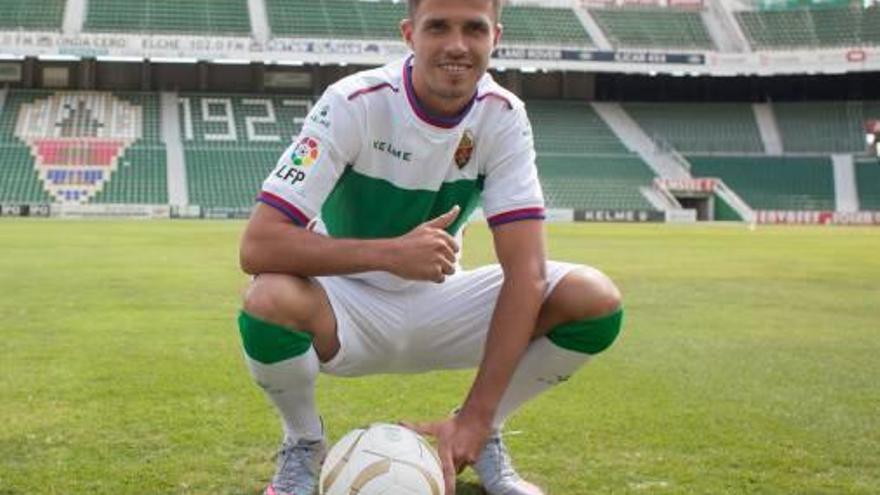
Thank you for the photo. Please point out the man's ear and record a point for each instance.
(406, 31)
(499, 28)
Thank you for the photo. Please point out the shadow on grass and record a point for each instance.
(468, 488)
(461, 488)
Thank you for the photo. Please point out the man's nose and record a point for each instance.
(455, 44)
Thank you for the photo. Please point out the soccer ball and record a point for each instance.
(383, 459)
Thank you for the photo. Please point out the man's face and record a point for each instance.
(452, 41)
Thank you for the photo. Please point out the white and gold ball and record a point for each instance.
(384, 459)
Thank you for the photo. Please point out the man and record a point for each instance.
(354, 247)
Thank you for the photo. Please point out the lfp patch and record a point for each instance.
(306, 152)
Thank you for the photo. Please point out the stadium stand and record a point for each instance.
(523, 24)
(169, 16)
(139, 177)
(232, 142)
(582, 163)
(32, 14)
(653, 27)
(833, 26)
(17, 175)
(822, 127)
(571, 127)
(20, 183)
(773, 183)
(357, 19)
(335, 18)
(594, 182)
(868, 183)
(700, 127)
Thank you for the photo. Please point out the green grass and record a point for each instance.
(749, 365)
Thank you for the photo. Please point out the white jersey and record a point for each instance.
(370, 162)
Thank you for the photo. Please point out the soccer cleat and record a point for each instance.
(496, 472)
(299, 464)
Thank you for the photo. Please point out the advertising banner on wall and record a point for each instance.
(329, 51)
(783, 217)
(622, 216)
(24, 210)
(67, 210)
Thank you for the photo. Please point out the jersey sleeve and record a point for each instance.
(309, 168)
(512, 191)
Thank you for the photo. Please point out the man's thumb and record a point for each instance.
(446, 219)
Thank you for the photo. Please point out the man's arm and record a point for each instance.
(520, 250)
(272, 244)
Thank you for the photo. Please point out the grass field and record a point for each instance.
(749, 365)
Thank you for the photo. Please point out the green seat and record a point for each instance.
(571, 127)
(230, 154)
(140, 175)
(653, 27)
(31, 14)
(773, 183)
(540, 25)
(595, 182)
(581, 162)
(830, 26)
(169, 16)
(823, 127)
(868, 184)
(700, 127)
(358, 19)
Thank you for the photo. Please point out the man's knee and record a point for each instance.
(592, 312)
(585, 293)
(292, 309)
(281, 299)
(271, 317)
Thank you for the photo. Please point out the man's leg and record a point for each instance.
(286, 326)
(581, 317)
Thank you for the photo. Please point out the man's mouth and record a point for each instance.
(455, 68)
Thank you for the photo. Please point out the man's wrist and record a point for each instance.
(379, 255)
(480, 414)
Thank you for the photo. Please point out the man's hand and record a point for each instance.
(459, 443)
(427, 252)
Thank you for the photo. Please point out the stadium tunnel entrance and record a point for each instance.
(702, 204)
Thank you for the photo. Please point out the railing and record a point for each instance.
(735, 202)
(660, 197)
(665, 148)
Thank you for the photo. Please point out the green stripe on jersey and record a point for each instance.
(363, 207)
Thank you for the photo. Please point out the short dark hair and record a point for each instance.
(413, 5)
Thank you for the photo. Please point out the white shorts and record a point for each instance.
(426, 327)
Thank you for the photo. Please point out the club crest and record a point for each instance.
(465, 149)
(77, 140)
